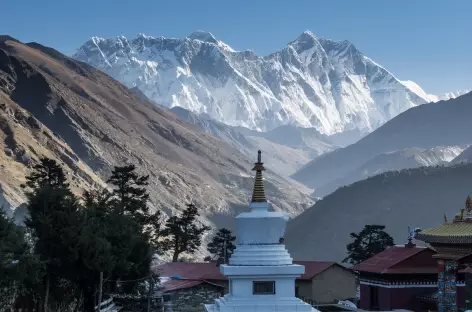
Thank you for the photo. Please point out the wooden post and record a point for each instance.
(225, 255)
(150, 290)
(46, 296)
(100, 289)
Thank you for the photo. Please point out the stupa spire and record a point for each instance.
(258, 193)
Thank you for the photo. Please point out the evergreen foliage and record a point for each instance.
(367, 243)
(129, 194)
(183, 234)
(75, 239)
(222, 245)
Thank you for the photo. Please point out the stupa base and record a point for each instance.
(231, 304)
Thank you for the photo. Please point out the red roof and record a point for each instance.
(400, 260)
(209, 271)
(313, 268)
(180, 284)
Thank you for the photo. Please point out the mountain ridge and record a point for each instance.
(419, 127)
(303, 84)
(104, 124)
(398, 199)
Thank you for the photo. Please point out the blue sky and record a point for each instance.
(427, 41)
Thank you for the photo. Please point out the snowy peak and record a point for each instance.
(313, 82)
(206, 36)
(203, 36)
(414, 87)
(305, 41)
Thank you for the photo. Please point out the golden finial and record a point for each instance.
(258, 194)
(445, 218)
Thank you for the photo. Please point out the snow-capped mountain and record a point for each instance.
(313, 82)
(413, 86)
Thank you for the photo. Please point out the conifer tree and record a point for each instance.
(12, 247)
(93, 246)
(154, 231)
(128, 224)
(183, 234)
(222, 245)
(129, 194)
(53, 220)
(367, 243)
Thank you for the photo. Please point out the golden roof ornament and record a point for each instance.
(258, 193)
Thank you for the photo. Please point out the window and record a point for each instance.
(263, 288)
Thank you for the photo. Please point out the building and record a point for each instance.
(416, 278)
(261, 275)
(325, 282)
(452, 242)
(322, 282)
(400, 277)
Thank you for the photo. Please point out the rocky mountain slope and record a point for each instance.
(306, 139)
(313, 82)
(445, 123)
(391, 161)
(411, 197)
(283, 159)
(23, 139)
(55, 106)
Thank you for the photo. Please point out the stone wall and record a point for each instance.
(193, 299)
(333, 284)
(137, 303)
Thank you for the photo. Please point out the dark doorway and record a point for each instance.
(374, 298)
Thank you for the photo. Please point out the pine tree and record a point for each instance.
(154, 231)
(46, 173)
(221, 247)
(129, 223)
(12, 247)
(53, 221)
(367, 243)
(182, 234)
(21, 272)
(129, 195)
(94, 248)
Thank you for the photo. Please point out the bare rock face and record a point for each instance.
(67, 110)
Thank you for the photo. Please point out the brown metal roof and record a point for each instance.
(180, 284)
(390, 261)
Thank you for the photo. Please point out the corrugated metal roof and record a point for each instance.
(385, 261)
(180, 284)
(313, 268)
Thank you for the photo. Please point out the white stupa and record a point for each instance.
(260, 271)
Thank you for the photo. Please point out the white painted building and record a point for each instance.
(260, 272)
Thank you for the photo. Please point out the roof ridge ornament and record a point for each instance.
(468, 205)
(258, 193)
